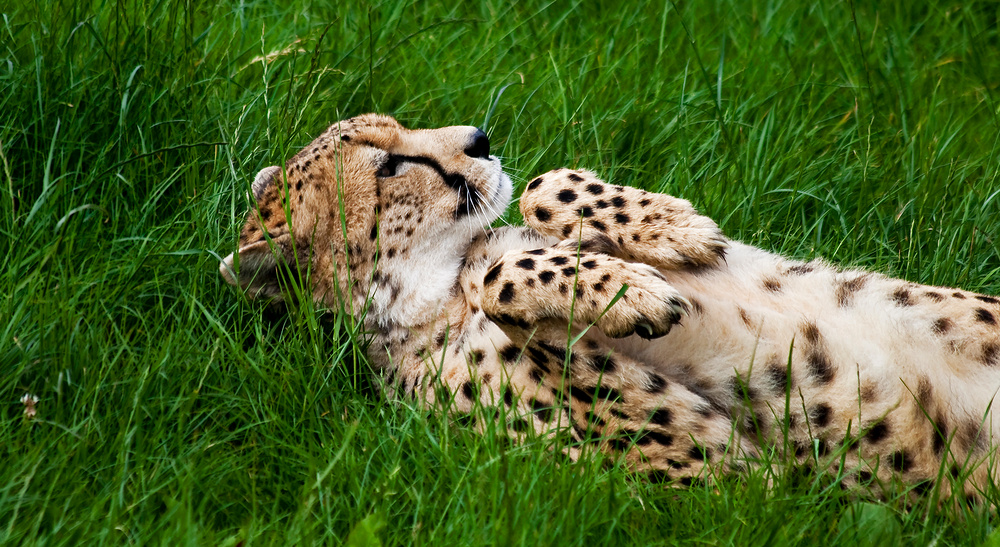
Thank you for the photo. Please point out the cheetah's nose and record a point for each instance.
(480, 147)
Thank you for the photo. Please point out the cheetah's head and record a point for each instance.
(371, 209)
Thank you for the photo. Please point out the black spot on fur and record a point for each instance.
(575, 178)
(923, 487)
(644, 202)
(940, 434)
(800, 269)
(534, 184)
(569, 271)
(935, 296)
(618, 201)
(619, 414)
(507, 293)
(476, 356)
(536, 374)
(742, 391)
(820, 415)
(984, 316)
(581, 395)
(599, 225)
(771, 284)
(469, 390)
(559, 260)
(508, 396)
(556, 351)
(491, 275)
(536, 252)
(525, 264)
(581, 434)
(877, 432)
(810, 332)
(593, 418)
(543, 411)
(586, 212)
(510, 354)
(942, 325)
(822, 448)
(538, 357)
(596, 189)
(700, 454)
(603, 364)
(902, 297)
(546, 276)
(618, 444)
(601, 204)
(566, 196)
(543, 214)
(987, 299)
(622, 218)
(901, 461)
(958, 295)
(820, 366)
(660, 438)
(508, 319)
(641, 438)
(661, 417)
(925, 392)
(603, 392)
(657, 383)
(991, 354)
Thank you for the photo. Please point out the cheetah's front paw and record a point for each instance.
(649, 308)
(655, 229)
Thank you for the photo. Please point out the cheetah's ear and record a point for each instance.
(255, 267)
(263, 180)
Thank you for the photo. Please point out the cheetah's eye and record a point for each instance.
(388, 169)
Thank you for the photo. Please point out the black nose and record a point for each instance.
(480, 147)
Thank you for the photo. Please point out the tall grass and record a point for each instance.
(171, 411)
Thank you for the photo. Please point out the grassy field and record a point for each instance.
(172, 411)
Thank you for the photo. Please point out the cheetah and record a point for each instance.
(619, 320)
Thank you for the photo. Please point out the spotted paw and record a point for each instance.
(641, 226)
(649, 308)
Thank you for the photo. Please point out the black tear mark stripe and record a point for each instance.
(468, 197)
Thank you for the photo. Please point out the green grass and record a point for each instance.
(172, 411)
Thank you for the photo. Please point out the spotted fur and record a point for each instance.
(692, 352)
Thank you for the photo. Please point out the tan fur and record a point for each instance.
(710, 354)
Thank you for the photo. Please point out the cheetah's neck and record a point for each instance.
(408, 290)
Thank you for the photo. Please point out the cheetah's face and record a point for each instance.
(362, 200)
